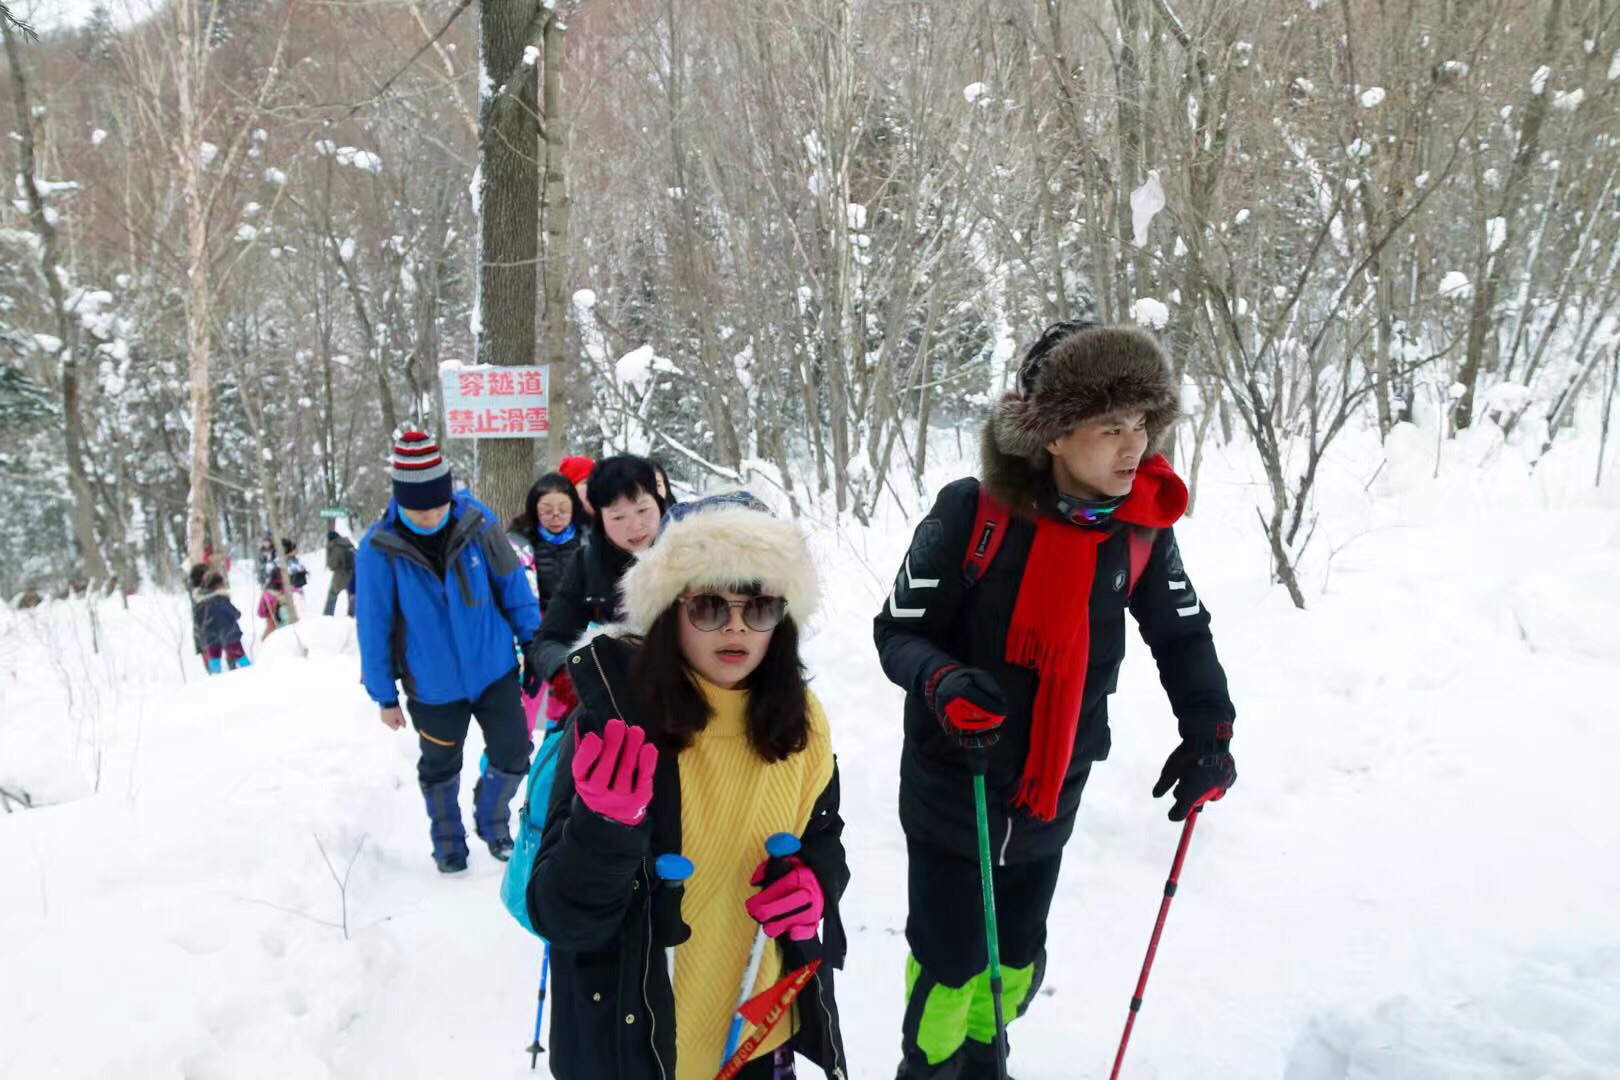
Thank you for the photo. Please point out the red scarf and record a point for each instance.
(1051, 626)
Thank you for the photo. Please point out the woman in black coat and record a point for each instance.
(550, 530)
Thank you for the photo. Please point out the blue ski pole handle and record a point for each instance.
(777, 848)
(673, 872)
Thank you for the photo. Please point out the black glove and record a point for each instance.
(1201, 770)
(532, 680)
(969, 706)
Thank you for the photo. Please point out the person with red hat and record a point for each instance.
(578, 471)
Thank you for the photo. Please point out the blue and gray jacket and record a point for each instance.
(446, 639)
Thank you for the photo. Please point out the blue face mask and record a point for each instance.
(418, 530)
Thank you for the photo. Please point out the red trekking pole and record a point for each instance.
(1158, 927)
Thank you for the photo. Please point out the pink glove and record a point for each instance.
(793, 902)
(613, 772)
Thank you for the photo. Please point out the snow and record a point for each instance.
(636, 368)
(585, 299)
(1146, 202)
(275, 176)
(1372, 97)
(1538, 81)
(1359, 149)
(1495, 234)
(206, 154)
(1150, 312)
(975, 93)
(856, 217)
(1241, 218)
(1455, 285)
(1413, 879)
(530, 55)
(1457, 69)
(252, 209)
(346, 249)
(98, 136)
(1614, 66)
(47, 188)
(48, 343)
(246, 233)
(364, 160)
(1569, 102)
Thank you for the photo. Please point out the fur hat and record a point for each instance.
(723, 541)
(1080, 371)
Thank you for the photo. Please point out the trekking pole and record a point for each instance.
(1158, 928)
(672, 871)
(535, 1049)
(992, 940)
(778, 847)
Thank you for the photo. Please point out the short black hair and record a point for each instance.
(623, 477)
(197, 575)
(214, 581)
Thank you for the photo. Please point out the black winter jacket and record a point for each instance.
(613, 1015)
(219, 620)
(551, 562)
(934, 619)
(588, 593)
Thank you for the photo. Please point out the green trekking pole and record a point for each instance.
(991, 939)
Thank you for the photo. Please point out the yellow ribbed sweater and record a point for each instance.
(731, 801)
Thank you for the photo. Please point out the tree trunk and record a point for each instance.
(1482, 316)
(81, 508)
(198, 292)
(509, 214)
(556, 209)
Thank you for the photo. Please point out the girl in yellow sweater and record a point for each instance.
(696, 736)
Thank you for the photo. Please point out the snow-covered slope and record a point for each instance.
(1414, 877)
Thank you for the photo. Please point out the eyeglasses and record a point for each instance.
(709, 612)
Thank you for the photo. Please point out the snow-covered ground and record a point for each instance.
(1415, 878)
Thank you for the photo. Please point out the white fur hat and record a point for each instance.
(724, 541)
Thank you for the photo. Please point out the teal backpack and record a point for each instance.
(530, 823)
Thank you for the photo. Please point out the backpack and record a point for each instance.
(990, 529)
(342, 555)
(530, 823)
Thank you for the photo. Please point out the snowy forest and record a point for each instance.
(776, 243)
(813, 249)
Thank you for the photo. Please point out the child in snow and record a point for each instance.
(276, 605)
(546, 536)
(221, 626)
(695, 735)
(295, 566)
(1008, 660)
(624, 490)
(195, 579)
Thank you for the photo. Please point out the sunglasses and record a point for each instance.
(709, 612)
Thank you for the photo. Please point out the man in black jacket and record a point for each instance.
(1006, 629)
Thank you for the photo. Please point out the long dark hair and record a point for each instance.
(553, 483)
(674, 709)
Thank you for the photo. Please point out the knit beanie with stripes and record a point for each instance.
(420, 473)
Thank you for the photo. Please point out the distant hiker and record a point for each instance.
(221, 626)
(340, 564)
(296, 573)
(1008, 659)
(266, 561)
(276, 604)
(443, 607)
(195, 580)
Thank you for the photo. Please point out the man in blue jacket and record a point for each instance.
(441, 599)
